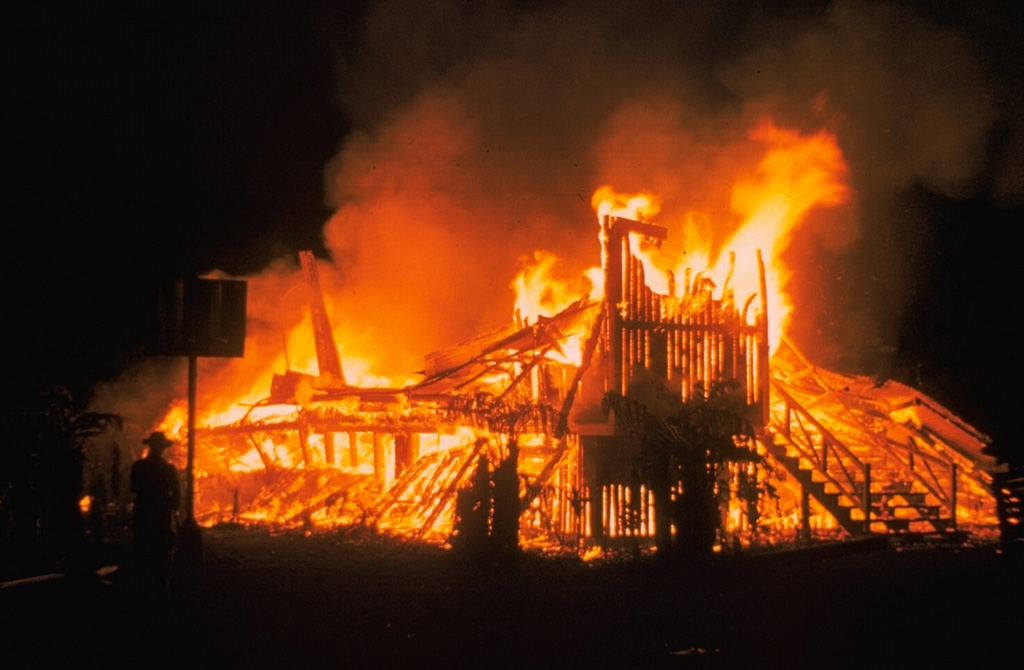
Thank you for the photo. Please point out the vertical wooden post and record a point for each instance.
(805, 513)
(353, 449)
(708, 338)
(303, 432)
(866, 500)
(328, 360)
(612, 256)
(402, 453)
(414, 447)
(329, 453)
(952, 494)
(379, 459)
(193, 373)
(764, 374)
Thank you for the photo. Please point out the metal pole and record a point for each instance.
(190, 539)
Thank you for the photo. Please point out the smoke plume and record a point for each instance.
(485, 129)
(481, 130)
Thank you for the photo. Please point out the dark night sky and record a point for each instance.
(170, 140)
(152, 143)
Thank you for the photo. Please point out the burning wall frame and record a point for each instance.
(691, 340)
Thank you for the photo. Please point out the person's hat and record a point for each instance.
(157, 440)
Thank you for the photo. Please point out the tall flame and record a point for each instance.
(795, 174)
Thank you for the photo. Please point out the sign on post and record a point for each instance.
(202, 318)
(198, 317)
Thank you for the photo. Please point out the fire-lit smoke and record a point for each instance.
(505, 116)
(795, 175)
(481, 132)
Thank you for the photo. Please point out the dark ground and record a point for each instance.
(262, 601)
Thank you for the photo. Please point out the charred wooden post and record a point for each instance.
(380, 459)
(866, 498)
(353, 449)
(952, 495)
(805, 513)
(414, 447)
(304, 444)
(326, 348)
(763, 372)
(611, 255)
(330, 454)
(403, 452)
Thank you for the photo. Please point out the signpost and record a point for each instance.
(199, 317)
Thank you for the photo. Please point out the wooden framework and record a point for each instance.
(693, 340)
(577, 482)
(880, 457)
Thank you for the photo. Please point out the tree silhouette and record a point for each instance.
(685, 445)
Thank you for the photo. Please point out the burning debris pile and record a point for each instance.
(838, 455)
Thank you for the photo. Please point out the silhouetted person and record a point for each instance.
(157, 490)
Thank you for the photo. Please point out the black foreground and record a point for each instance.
(327, 600)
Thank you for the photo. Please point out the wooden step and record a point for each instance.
(929, 511)
(904, 525)
(911, 498)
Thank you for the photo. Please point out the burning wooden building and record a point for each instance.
(829, 454)
(838, 455)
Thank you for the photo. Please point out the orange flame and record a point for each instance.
(796, 174)
(539, 292)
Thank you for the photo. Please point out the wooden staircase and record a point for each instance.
(815, 483)
(857, 477)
